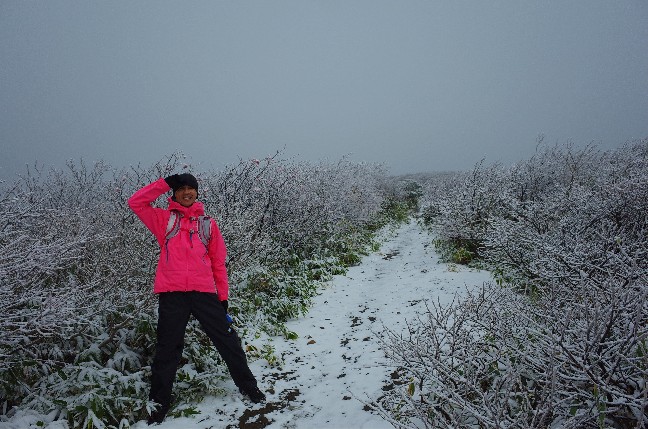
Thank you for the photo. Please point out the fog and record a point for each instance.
(417, 85)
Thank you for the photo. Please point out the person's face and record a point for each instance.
(186, 195)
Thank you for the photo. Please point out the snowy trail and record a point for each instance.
(336, 362)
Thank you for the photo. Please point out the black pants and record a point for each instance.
(175, 308)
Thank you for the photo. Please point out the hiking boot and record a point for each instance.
(254, 394)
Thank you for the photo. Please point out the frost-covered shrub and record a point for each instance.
(76, 268)
(75, 294)
(462, 365)
(498, 359)
(275, 208)
(460, 206)
(568, 229)
(590, 227)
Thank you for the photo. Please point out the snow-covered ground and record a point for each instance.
(336, 363)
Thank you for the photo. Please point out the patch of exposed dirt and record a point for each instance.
(257, 418)
(390, 255)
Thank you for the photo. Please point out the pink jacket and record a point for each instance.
(184, 263)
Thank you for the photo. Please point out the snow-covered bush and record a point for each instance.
(499, 359)
(561, 339)
(75, 295)
(76, 267)
(463, 365)
(460, 206)
(274, 208)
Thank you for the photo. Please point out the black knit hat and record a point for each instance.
(185, 179)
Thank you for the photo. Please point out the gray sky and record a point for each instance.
(420, 85)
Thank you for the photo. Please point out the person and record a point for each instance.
(190, 279)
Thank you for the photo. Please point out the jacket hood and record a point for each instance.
(196, 209)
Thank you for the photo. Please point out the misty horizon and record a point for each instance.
(418, 86)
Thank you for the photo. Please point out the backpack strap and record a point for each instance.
(173, 226)
(204, 229)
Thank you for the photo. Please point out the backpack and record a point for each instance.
(204, 227)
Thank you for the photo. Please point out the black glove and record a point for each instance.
(172, 181)
(225, 305)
